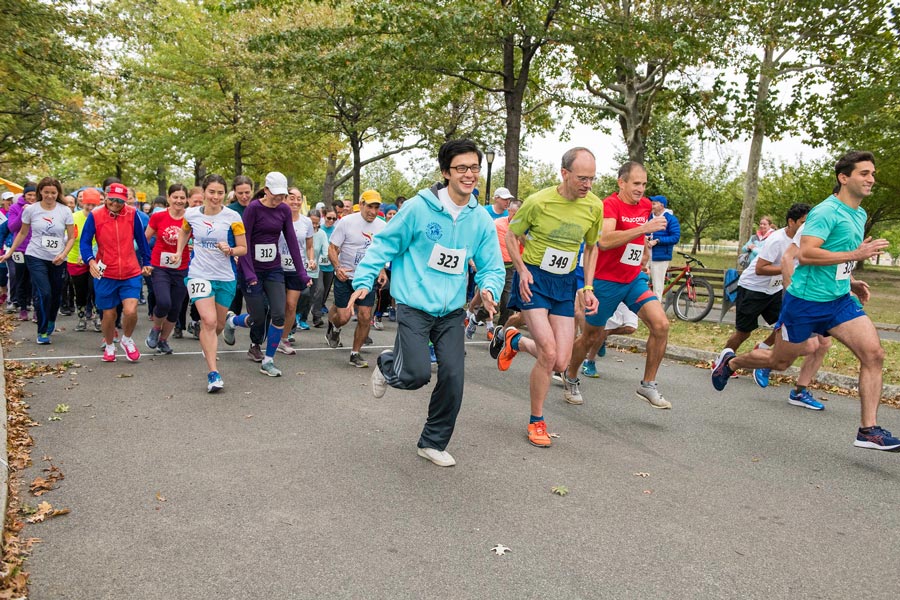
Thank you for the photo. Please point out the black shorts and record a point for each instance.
(344, 289)
(751, 305)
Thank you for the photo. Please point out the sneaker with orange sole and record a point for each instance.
(507, 354)
(490, 335)
(537, 434)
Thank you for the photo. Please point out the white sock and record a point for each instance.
(267, 359)
(126, 340)
(489, 324)
(764, 345)
(110, 347)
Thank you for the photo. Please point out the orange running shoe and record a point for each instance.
(490, 335)
(507, 354)
(537, 434)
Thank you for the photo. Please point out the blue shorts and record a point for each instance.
(222, 291)
(556, 293)
(610, 293)
(802, 319)
(292, 281)
(109, 293)
(344, 289)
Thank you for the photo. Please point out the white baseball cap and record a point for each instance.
(276, 183)
(502, 193)
(6, 195)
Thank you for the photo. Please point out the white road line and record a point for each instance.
(86, 356)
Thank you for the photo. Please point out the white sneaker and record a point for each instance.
(652, 395)
(441, 458)
(572, 391)
(285, 348)
(379, 383)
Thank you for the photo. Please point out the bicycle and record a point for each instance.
(694, 299)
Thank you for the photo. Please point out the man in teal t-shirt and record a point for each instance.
(819, 300)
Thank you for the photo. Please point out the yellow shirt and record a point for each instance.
(550, 221)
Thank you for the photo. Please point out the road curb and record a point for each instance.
(683, 354)
(4, 456)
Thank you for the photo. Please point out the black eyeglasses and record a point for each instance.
(461, 169)
(330, 218)
(116, 200)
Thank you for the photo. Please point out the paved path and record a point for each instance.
(307, 487)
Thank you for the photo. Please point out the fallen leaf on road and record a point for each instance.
(46, 511)
(61, 408)
(160, 497)
(642, 474)
(500, 549)
(553, 435)
(249, 417)
(648, 491)
(124, 375)
(559, 490)
(55, 418)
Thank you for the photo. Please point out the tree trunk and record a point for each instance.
(513, 96)
(356, 146)
(328, 184)
(696, 247)
(238, 158)
(119, 170)
(199, 171)
(751, 178)
(632, 121)
(161, 183)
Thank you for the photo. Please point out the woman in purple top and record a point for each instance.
(264, 221)
(22, 277)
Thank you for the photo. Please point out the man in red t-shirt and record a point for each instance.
(620, 276)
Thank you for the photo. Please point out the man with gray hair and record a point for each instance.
(558, 219)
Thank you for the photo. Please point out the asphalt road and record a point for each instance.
(307, 487)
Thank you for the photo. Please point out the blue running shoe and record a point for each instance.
(805, 399)
(721, 372)
(431, 352)
(877, 438)
(761, 377)
(589, 369)
(303, 325)
(602, 351)
(214, 382)
(392, 314)
(43, 338)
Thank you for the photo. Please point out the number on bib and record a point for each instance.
(51, 243)
(18, 258)
(447, 260)
(557, 262)
(169, 259)
(264, 252)
(101, 267)
(199, 288)
(287, 263)
(844, 270)
(632, 255)
(775, 281)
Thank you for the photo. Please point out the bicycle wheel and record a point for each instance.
(694, 300)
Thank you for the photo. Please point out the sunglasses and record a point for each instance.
(116, 200)
(330, 218)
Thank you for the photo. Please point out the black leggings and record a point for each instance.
(84, 291)
(169, 290)
(273, 291)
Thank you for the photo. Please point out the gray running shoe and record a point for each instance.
(333, 335)
(152, 338)
(255, 353)
(163, 347)
(368, 341)
(269, 368)
(97, 326)
(379, 383)
(228, 332)
(571, 391)
(358, 361)
(651, 394)
(470, 328)
(82, 324)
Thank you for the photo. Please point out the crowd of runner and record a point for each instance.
(551, 276)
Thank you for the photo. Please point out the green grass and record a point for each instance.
(883, 282)
(712, 337)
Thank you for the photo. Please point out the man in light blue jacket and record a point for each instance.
(429, 244)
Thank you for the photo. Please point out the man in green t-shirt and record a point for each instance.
(557, 220)
(819, 301)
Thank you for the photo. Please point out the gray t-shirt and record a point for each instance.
(48, 229)
(353, 235)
